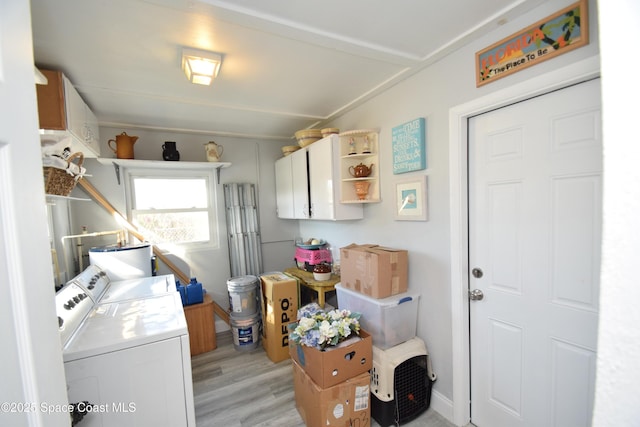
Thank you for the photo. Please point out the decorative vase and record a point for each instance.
(214, 151)
(362, 189)
(170, 152)
(124, 145)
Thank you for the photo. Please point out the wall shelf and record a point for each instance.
(51, 198)
(358, 141)
(162, 164)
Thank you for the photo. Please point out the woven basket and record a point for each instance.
(57, 181)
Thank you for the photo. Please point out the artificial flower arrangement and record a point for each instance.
(320, 329)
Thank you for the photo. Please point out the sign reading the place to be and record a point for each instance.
(559, 33)
(409, 148)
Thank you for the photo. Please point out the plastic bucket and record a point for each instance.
(246, 332)
(243, 295)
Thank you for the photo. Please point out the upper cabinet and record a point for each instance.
(306, 184)
(292, 186)
(359, 166)
(65, 119)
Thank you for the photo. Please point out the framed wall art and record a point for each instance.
(411, 199)
(559, 33)
(409, 146)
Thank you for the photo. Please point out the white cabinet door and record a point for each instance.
(81, 122)
(306, 184)
(321, 179)
(75, 110)
(323, 182)
(284, 188)
(91, 130)
(300, 184)
(292, 186)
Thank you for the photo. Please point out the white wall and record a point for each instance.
(31, 372)
(618, 370)
(431, 94)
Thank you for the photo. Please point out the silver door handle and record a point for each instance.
(477, 273)
(476, 295)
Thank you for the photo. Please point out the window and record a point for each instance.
(175, 208)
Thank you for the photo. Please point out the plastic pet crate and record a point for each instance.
(401, 382)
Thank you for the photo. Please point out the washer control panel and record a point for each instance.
(94, 280)
(73, 303)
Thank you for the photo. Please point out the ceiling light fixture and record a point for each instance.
(200, 66)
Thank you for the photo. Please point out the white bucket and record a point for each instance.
(243, 295)
(246, 332)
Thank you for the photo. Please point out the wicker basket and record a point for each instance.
(57, 181)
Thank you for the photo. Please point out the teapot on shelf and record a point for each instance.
(124, 145)
(214, 151)
(361, 170)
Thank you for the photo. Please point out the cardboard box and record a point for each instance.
(337, 364)
(374, 270)
(345, 404)
(279, 308)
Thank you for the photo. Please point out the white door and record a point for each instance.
(534, 242)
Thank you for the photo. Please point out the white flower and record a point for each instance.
(307, 323)
(327, 331)
(321, 329)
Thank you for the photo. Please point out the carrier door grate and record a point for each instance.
(411, 388)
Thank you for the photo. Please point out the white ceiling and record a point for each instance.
(287, 64)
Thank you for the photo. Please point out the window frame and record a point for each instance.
(130, 174)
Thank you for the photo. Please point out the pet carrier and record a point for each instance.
(401, 381)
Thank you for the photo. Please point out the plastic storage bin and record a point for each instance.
(390, 321)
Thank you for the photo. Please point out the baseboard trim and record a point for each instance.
(442, 405)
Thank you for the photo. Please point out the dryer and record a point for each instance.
(126, 353)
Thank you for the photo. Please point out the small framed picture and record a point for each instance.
(411, 199)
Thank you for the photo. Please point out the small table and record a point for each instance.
(201, 325)
(314, 290)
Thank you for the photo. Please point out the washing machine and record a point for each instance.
(126, 354)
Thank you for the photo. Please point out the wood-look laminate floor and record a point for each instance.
(235, 388)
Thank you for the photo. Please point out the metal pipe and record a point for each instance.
(95, 234)
(79, 245)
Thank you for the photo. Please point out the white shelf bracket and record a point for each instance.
(116, 167)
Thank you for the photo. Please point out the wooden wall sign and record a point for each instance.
(559, 33)
(409, 148)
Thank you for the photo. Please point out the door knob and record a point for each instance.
(476, 295)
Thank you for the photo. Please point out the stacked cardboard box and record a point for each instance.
(374, 270)
(332, 387)
(374, 283)
(279, 308)
(345, 404)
